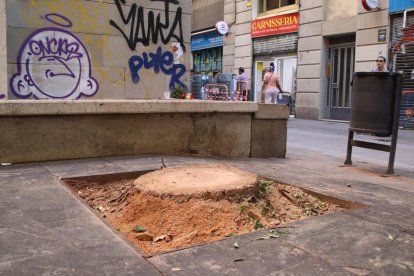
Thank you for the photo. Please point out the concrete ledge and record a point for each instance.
(67, 107)
(55, 130)
(272, 111)
(269, 138)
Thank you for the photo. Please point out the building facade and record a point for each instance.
(336, 39)
(206, 41)
(401, 55)
(261, 32)
(90, 50)
(274, 31)
(237, 51)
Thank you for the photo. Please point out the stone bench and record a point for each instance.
(40, 130)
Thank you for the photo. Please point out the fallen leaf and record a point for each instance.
(236, 245)
(175, 269)
(239, 260)
(139, 229)
(273, 236)
(390, 237)
(159, 238)
(263, 238)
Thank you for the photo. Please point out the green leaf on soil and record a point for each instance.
(139, 229)
(258, 225)
(230, 235)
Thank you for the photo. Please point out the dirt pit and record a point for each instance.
(180, 207)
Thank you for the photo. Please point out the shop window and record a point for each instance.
(270, 6)
(208, 60)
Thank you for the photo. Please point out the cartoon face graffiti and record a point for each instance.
(53, 63)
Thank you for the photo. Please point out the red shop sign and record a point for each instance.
(279, 24)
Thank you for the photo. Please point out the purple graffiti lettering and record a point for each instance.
(52, 47)
(158, 61)
(2, 96)
(56, 18)
(155, 28)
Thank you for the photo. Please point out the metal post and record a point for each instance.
(348, 160)
(396, 120)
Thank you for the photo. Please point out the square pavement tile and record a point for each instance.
(81, 167)
(114, 258)
(83, 232)
(252, 257)
(19, 177)
(346, 241)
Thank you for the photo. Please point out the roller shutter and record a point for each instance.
(275, 44)
(402, 60)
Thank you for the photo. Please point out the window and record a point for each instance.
(269, 5)
(208, 60)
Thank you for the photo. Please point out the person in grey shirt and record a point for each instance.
(380, 65)
(213, 79)
(242, 84)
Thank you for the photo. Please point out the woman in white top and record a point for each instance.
(271, 86)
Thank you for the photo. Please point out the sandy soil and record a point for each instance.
(158, 224)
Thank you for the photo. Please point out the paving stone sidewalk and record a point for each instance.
(46, 230)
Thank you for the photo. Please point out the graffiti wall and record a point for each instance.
(402, 61)
(77, 49)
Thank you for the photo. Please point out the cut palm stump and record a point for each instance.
(179, 207)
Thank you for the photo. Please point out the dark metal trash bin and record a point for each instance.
(375, 107)
(373, 102)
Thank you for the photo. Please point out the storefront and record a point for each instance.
(207, 51)
(402, 55)
(275, 41)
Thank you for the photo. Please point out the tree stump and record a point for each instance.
(204, 181)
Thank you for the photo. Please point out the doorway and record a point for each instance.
(285, 67)
(340, 71)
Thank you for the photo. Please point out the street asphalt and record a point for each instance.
(46, 230)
